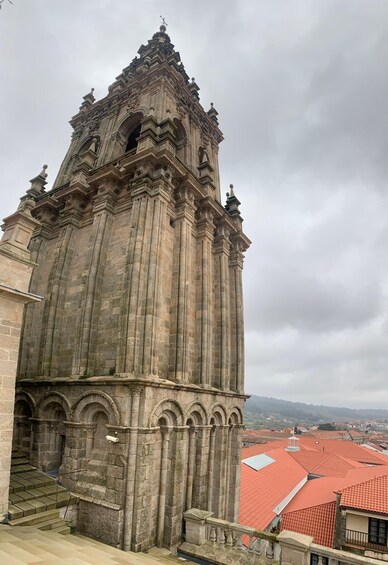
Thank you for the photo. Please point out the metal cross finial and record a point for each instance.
(164, 21)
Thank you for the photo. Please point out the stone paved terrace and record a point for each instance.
(32, 492)
(29, 545)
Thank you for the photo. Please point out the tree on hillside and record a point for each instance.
(327, 427)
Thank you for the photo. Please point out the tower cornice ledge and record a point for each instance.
(124, 380)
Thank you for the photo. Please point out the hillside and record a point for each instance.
(263, 406)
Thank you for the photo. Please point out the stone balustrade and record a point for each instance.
(226, 543)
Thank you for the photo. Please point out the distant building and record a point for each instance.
(293, 486)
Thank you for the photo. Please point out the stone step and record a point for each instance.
(51, 524)
(35, 518)
(63, 529)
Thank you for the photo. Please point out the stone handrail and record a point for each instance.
(226, 543)
(298, 548)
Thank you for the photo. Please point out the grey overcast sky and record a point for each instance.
(301, 89)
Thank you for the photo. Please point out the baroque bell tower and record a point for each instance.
(140, 333)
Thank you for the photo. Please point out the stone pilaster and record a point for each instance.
(84, 362)
(237, 316)
(181, 343)
(221, 378)
(131, 469)
(204, 321)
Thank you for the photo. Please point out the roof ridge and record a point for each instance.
(322, 462)
(341, 491)
(310, 506)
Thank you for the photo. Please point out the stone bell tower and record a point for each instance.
(140, 334)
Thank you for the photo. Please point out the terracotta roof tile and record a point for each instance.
(371, 496)
(316, 521)
(314, 493)
(263, 490)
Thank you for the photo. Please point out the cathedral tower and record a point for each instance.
(140, 333)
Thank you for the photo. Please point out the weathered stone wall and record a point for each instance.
(164, 460)
(15, 274)
(141, 332)
(100, 522)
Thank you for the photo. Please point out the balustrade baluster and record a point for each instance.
(270, 551)
(257, 546)
(213, 536)
(221, 537)
(250, 544)
(229, 538)
(239, 543)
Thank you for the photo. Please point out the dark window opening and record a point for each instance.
(132, 139)
(378, 531)
(314, 559)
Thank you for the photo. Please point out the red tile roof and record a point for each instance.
(314, 493)
(263, 490)
(340, 462)
(323, 463)
(316, 521)
(371, 496)
(343, 448)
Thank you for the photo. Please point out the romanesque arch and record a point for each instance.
(196, 459)
(197, 414)
(170, 410)
(25, 409)
(235, 417)
(218, 415)
(53, 410)
(49, 402)
(92, 403)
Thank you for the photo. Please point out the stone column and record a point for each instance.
(191, 466)
(50, 345)
(221, 377)
(163, 485)
(237, 317)
(128, 324)
(204, 329)
(150, 354)
(221, 478)
(234, 472)
(211, 478)
(132, 469)
(180, 358)
(228, 478)
(201, 483)
(84, 350)
(77, 434)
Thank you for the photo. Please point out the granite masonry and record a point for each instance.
(140, 335)
(15, 273)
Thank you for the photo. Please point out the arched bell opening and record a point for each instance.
(132, 139)
(180, 141)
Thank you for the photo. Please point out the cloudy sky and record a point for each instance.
(301, 89)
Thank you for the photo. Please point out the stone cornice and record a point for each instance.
(18, 295)
(129, 381)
